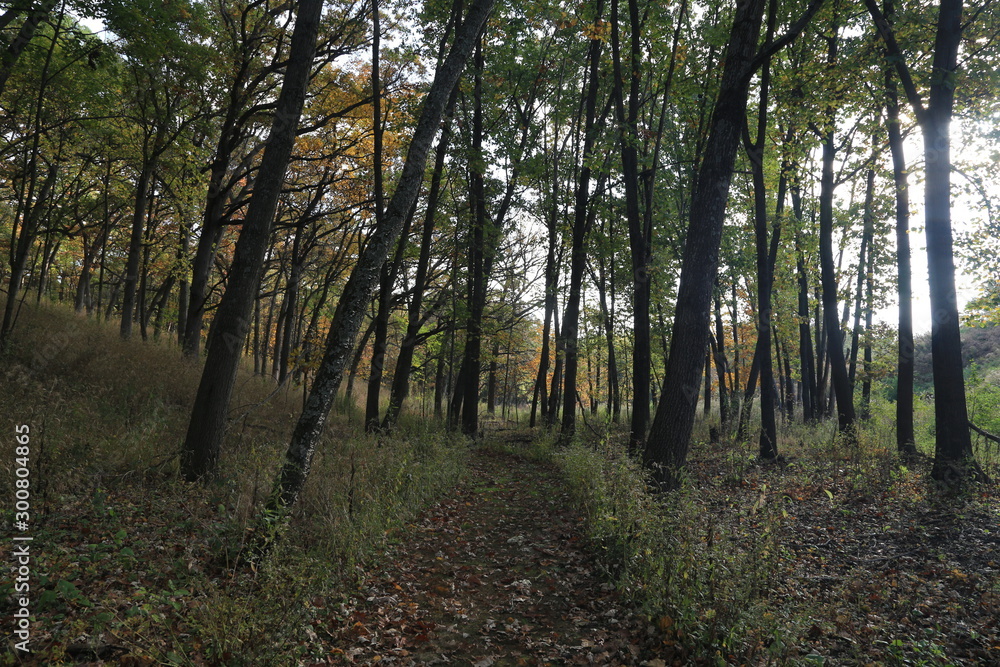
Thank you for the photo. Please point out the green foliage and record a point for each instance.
(704, 584)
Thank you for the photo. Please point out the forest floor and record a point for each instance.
(811, 562)
(498, 573)
(420, 549)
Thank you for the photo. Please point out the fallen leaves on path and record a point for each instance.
(495, 574)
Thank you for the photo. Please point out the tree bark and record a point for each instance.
(17, 45)
(199, 457)
(669, 438)
(905, 439)
(834, 336)
(401, 376)
(582, 221)
(953, 457)
(358, 289)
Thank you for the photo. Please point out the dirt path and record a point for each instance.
(495, 574)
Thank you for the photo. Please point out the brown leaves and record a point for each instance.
(493, 574)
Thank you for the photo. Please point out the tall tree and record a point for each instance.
(583, 217)
(31, 14)
(357, 291)
(669, 438)
(953, 457)
(905, 439)
(199, 456)
(828, 272)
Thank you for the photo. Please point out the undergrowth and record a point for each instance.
(704, 584)
(131, 563)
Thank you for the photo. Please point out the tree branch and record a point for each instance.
(985, 434)
(895, 57)
(770, 49)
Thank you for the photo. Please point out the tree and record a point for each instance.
(364, 276)
(666, 448)
(200, 453)
(583, 219)
(13, 46)
(953, 458)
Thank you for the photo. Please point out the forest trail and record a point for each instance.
(494, 574)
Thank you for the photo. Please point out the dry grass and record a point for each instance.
(132, 559)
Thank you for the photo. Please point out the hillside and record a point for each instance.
(980, 345)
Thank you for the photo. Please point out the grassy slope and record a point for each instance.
(132, 564)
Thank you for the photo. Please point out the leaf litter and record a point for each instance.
(498, 573)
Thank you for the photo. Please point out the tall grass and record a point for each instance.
(107, 420)
(703, 584)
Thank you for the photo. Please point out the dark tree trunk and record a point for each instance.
(582, 221)
(387, 278)
(358, 289)
(905, 440)
(953, 456)
(669, 438)
(31, 218)
(439, 388)
(491, 381)
(199, 456)
(707, 409)
(864, 270)
(834, 337)
(718, 344)
(471, 363)
(131, 280)
(10, 55)
(763, 359)
(555, 391)
(807, 361)
(184, 284)
(541, 394)
(290, 304)
(866, 383)
(608, 320)
(404, 361)
(639, 234)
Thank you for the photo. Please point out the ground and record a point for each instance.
(818, 560)
(497, 573)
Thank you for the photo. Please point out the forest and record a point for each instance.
(530, 333)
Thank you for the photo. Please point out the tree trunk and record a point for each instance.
(404, 361)
(582, 221)
(905, 440)
(807, 362)
(363, 277)
(953, 457)
(718, 344)
(290, 304)
(387, 278)
(864, 264)
(142, 202)
(669, 438)
(199, 456)
(834, 336)
(541, 395)
(17, 45)
(471, 363)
